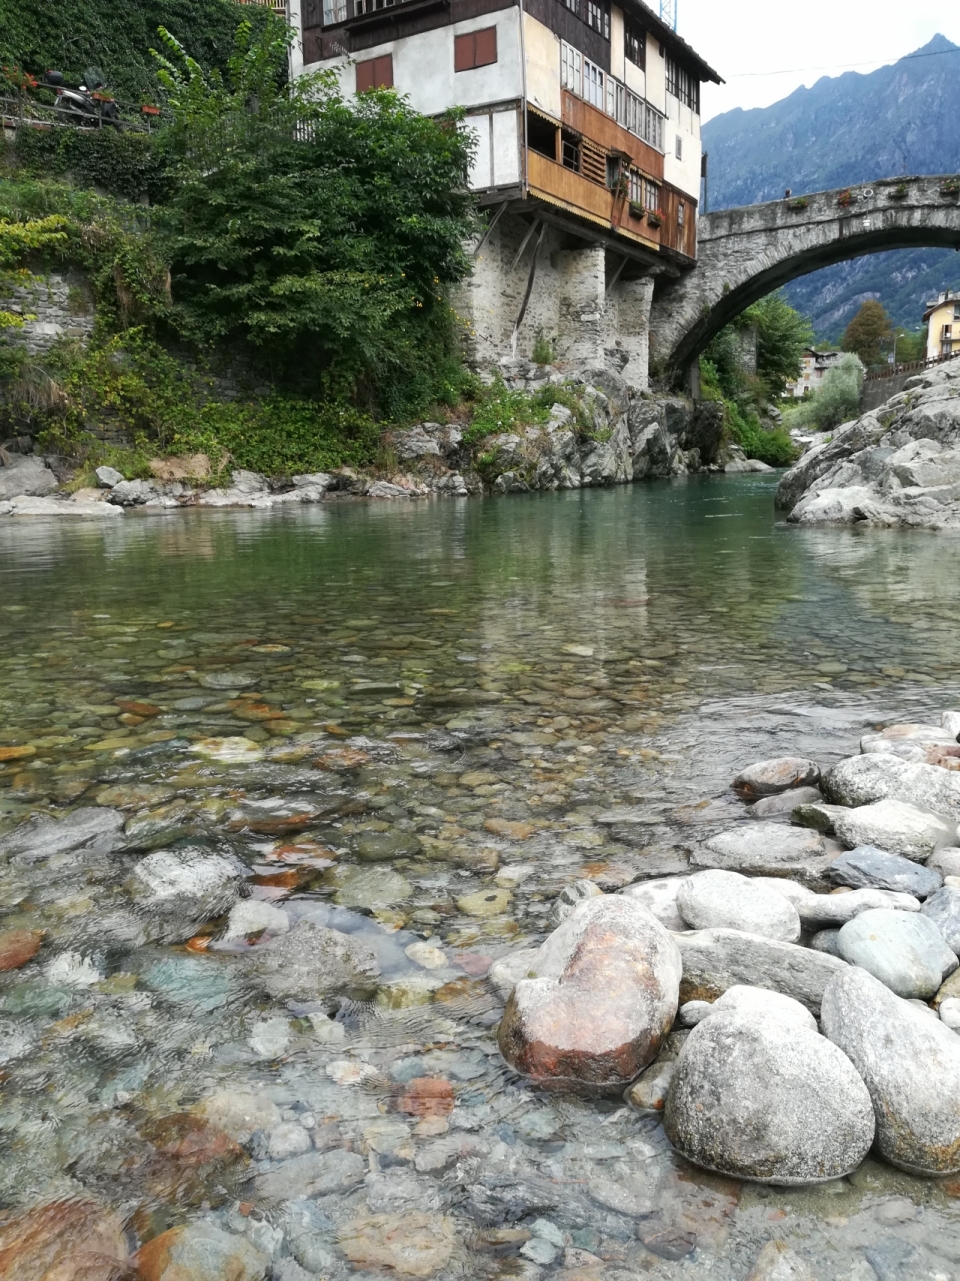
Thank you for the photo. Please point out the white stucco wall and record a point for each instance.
(542, 48)
(423, 66)
(496, 161)
(685, 123)
(616, 42)
(656, 77)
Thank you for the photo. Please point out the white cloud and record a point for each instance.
(765, 49)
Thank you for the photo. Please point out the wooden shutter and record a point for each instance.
(464, 52)
(486, 48)
(375, 73)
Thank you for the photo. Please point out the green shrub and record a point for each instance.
(836, 400)
(124, 164)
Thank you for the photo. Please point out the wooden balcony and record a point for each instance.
(547, 180)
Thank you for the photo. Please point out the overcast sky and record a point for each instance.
(796, 44)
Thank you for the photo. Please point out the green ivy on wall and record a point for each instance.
(124, 164)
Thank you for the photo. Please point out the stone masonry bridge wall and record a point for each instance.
(746, 253)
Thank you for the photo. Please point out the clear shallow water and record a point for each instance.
(483, 683)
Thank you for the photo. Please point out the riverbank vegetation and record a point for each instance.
(751, 387)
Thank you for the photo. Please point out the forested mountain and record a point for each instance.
(900, 119)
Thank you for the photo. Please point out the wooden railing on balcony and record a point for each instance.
(279, 7)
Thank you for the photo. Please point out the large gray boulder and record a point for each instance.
(604, 998)
(904, 950)
(29, 475)
(910, 1064)
(769, 849)
(866, 867)
(861, 780)
(312, 962)
(727, 900)
(659, 897)
(741, 999)
(943, 908)
(714, 960)
(763, 1097)
(897, 827)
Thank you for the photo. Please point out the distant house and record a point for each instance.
(815, 366)
(942, 318)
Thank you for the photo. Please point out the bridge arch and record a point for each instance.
(746, 253)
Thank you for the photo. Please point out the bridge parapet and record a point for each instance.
(746, 253)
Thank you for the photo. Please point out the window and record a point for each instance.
(679, 147)
(956, 311)
(541, 135)
(683, 85)
(651, 196)
(571, 68)
(593, 89)
(375, 73)
(475, 49)
(570, 150)
(681, 214)
(334, 11)
(595, 13)
(635, 187)
(635, 44)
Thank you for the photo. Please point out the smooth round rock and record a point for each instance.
(821, 910)
(826, 941)
(760, 1097)
(867, 867)
(909, 1062)
(943, 908)
(781, 774)
(904, 950)
(660, 898)
(311, 962)
(950, 1012)
(897, 827)
(726, 900)
(604, 998)
(743, 999)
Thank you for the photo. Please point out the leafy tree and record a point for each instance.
(321, 232)
(868, 333)
(836, 400)
(911, 344)
(783, 335)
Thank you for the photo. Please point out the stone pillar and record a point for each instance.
(582, 306)
(478, 302)
(629, 306)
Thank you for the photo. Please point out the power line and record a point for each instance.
(842, 66)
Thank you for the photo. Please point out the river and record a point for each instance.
(413, 722)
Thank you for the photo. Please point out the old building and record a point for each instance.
(813, 371)
(942, 318)
(586, 117)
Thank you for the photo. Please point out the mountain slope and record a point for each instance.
(900, 119)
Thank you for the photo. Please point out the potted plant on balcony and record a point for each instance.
(845, 198)
(655, 217)
(636, 209)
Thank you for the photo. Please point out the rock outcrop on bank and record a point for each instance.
(782, 927)
(614, 436)
(898, 465)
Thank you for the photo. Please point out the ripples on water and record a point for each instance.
(508, 695)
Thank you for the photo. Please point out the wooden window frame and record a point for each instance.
(635, 41)
(475, 49)
(375, 73)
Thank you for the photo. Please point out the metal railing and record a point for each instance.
(912, 366)
(19, 111)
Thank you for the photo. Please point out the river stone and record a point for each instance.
(604, 998)
(742, 999)
(866, 867)
(188, 880)
(950, 1013)
(239, 1110)
(777, 1262)
(782, 774)
(569, 898)
(312, 962)
(904, 950)
(74, 1239)
(943, 908)
(946, 861)
(818, 815)
(759, 1096)
(26, 474)
(649, 1090)
(784, 802)
(227, 680)
(718, 899)
(254, 916)
(909, 1062)
(791, 890)
(412, 1244)
(41, 837)
(371, 887)
(763, 849)
(836, 909)
(200, 1252)
(313, 1174)
(507, 971)
(862, 780)
(383, 847)
(826, 941)
(896, 827)
(714, 960)
(660, 898)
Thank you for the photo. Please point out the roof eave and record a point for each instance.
(656, 24)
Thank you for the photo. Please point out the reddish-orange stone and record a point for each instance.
(18, 946)
(427, 1096)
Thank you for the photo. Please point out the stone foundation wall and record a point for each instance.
(568, 304)
(54, 307)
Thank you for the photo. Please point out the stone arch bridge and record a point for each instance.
(746, 253)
